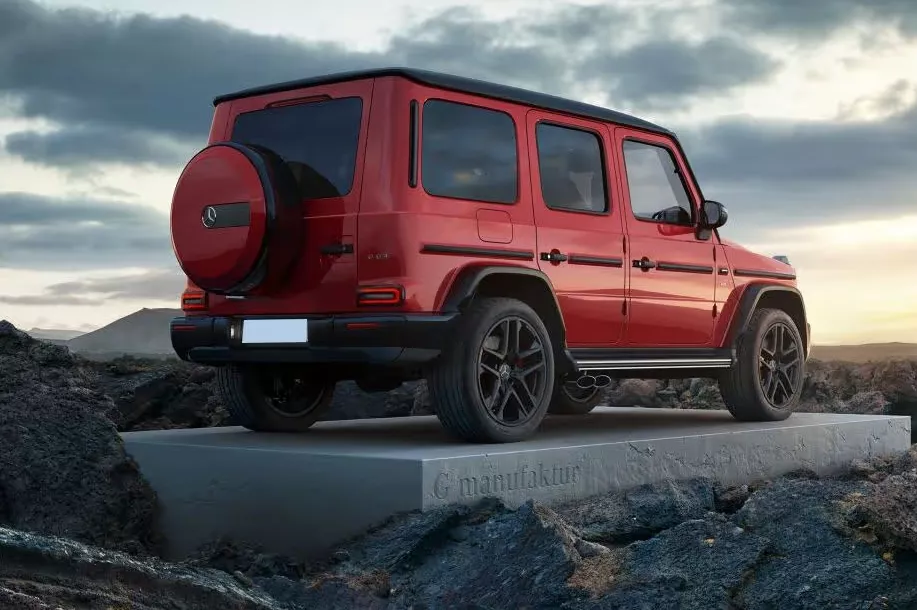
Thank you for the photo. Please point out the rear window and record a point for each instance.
(317, 140)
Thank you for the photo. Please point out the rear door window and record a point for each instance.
(317, 140)
(468, 152)
(572, 169)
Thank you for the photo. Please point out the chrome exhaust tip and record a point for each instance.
(602, 381)
(585, 382)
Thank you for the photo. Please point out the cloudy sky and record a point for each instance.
(800, 116)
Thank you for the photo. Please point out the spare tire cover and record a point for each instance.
(236, 218)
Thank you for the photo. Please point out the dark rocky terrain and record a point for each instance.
(78, 523)
(158, 393)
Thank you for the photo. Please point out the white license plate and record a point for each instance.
(275, 331)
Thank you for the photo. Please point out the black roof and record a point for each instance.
(464, 85)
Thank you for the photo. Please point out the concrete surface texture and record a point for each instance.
(303, 494)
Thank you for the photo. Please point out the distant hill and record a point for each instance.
(142, 333)
(54, 335)
(865, 353)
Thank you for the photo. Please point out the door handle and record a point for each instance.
(644, 264)
(337, 249)
(554, 256)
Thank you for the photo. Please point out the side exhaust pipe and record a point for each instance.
(586, 381)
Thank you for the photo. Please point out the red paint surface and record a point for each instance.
(217, 258)
(388, 222)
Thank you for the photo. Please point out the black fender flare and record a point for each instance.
(751, 296)
(465, 286)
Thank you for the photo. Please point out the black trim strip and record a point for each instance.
(650, 353)
(525, 255)
(775, 275)
(724, 271)
(415, 144)
(601, 261)
(337, 249)
(682, 268)
(226, 215)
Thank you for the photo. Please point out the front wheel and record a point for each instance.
(494, 381)
(766, 382)
(273, 399)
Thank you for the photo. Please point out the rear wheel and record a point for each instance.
(269, 399)
(766, 382)
(570, 399)
(493, 384)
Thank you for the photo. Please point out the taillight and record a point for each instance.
(380, 295)
(193, 300)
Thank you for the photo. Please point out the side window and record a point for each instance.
(571, 169)
(468, 152)
(656, 190)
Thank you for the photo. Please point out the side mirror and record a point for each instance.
(713, 215)
(675, 215)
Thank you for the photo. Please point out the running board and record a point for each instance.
(689, 360)
(651, 364)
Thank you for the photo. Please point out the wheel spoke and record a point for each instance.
(531, 369)
(770, 388)
(786, 381)
(504, 391)
(783, 388)
(525, 398)
(489, 369)
(513, 339)
(528, 353)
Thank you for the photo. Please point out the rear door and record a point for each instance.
(579, 231)
(672, 285)
(321, 134)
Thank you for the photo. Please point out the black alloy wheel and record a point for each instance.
(511, 367)
(779, 372)
(274, 398)
(494, 380)
(765, 383)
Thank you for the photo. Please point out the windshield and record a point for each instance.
(317, 140)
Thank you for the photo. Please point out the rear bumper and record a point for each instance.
(401, 340)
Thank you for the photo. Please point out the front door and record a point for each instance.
(672, 280)
(579, 231)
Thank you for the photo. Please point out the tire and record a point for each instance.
(246, 393)
(745, 388)
(573, 400)
(470, 372)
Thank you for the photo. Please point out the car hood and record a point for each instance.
(741, 257)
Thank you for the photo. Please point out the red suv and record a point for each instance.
(517, 250)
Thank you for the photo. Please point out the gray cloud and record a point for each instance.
(162, 285)
(773, 152)
(156, 285)
(38, 232)
(110, 82)
(47, 299)
(648, 74)
(817, 18)
(76, 147)
(785, 173)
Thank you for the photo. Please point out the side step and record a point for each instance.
(675, 360)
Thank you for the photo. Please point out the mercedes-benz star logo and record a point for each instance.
(209, 217)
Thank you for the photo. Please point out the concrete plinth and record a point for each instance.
(302, 494)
